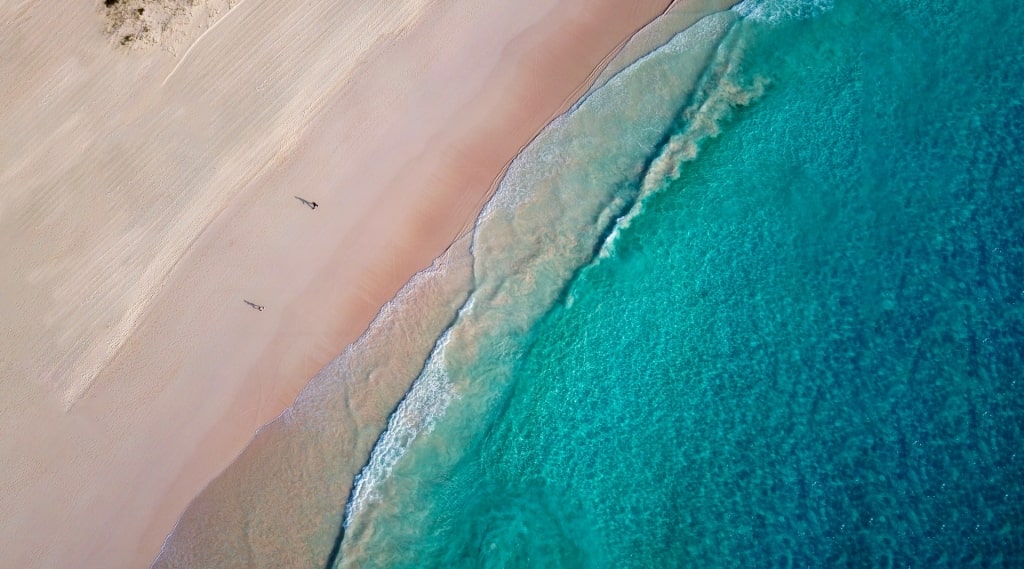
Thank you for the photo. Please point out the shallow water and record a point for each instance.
(756, 304)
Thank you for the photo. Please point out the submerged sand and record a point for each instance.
(280, 503)
(148, 190)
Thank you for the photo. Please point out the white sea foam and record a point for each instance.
(541, 225)
(722, 89)
(632, 104)
(776, 11)
(416, 414)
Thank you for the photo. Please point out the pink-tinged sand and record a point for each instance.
(146, 194)
(280, 503)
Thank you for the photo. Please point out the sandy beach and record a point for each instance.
(151, 172)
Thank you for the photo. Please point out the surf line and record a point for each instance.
(717, 94)
(199, 39)
(392, 430)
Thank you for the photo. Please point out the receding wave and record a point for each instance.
(284, 493)
(559, 198)
(583, 181)
(415, 415)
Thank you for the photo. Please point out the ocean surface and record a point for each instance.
(756, 302)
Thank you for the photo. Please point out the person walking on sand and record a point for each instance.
(313, 205)
(259, 307)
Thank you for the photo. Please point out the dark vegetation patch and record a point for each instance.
(158, 23)
(138, 23)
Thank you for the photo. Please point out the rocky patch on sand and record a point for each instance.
(167, 24)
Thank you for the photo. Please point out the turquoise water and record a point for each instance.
(801, 346)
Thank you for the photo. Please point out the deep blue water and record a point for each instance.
(807, 349)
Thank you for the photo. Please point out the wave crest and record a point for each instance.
(722, 89)
(558, 198)
(776, 11)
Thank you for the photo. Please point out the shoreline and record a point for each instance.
(227, 507)
(536, 234)
(197, 371)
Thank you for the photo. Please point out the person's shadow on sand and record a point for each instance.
(254, 305)
(307, 203)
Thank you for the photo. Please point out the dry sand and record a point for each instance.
(148, 189)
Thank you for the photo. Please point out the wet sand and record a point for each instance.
(150, 192)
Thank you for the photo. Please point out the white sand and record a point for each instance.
(148, 190)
